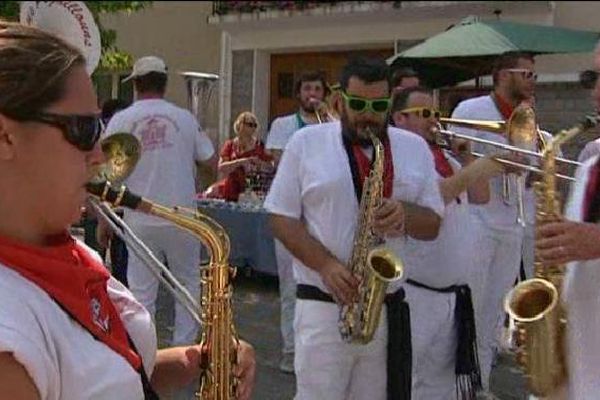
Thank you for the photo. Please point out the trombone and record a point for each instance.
(453, 135)
(523, 134)
(501, 127)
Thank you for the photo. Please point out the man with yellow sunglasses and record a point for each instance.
(439, 284)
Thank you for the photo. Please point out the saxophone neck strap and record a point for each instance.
(360, 165)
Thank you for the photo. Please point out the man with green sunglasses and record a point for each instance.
(359, 104)
(314, 206)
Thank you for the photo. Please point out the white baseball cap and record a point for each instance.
(146, 65)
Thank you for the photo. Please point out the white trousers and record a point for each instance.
(287, 293)
(434, 341)
(499, 257)
(181, 252)
(326, 367)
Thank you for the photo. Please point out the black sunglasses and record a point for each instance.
(251, 124)
(82, 131)
(588, 79)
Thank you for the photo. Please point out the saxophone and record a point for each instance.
(535, 304)
(376, 267)
(219, 339)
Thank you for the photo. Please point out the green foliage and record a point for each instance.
(113, 59)
(9, 10)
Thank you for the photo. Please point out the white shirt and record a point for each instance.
(582, 296)
(446, 260)
(281, 131)
(591, 149)
(314, 184)
(63, 359)
(495, 214)
(172, 142)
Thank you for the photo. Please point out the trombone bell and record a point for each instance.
(122, 151)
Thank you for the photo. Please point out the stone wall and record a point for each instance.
(561, 105)
(241, 84)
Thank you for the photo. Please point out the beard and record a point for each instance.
(309, 106)
(357, 131)
(518, 95)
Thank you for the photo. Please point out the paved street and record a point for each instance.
(257, 320)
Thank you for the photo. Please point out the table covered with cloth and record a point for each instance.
(252, 243)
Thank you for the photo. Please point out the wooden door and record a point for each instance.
(286, 68)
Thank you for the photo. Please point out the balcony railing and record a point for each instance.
(239, 7)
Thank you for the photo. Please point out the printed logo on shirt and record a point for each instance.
(102, 322)
(153, 132)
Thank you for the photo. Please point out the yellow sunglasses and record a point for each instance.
(423, 112)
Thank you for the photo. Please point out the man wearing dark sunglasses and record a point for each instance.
(438, 330)
(500, 239)
(173, 145)
(314, 206)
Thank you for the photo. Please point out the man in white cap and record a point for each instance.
(172, 144)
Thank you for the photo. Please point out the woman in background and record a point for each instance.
(242, 159)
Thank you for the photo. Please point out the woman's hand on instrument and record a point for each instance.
(339, 280)
(564, 241)
(389, 219)
(245, 370)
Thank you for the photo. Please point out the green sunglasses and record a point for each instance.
(360, 104)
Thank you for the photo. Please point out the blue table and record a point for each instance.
(252, 243)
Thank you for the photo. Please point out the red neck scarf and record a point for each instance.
(77, 282)
(442, 165)
(591, 201)
(363, 166)
(505, 108)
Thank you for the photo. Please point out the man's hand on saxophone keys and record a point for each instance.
(245, 370)
(565, 241)
(389, 219)
(342, 285)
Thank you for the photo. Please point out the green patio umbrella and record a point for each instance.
(467, 50)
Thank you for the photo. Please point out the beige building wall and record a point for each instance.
(178, 32)
(584, 15)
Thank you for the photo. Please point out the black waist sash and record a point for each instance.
(466, 368)
(399, 346)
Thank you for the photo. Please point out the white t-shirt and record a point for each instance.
(582, 296)
(591, 149)
(314, 184)
(282, 129)
(448, 259)
(495, 214)
(63, 359)
(172, 143)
